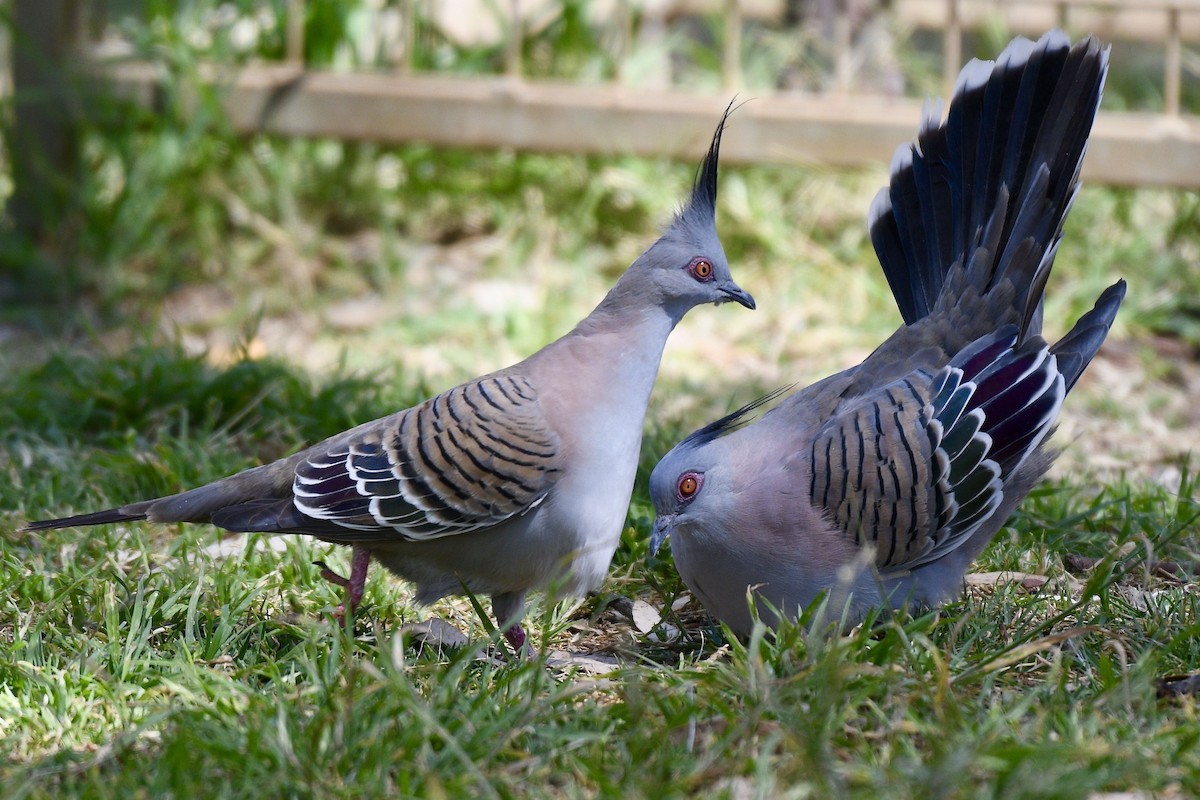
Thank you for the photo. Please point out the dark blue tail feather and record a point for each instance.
(1010, 150)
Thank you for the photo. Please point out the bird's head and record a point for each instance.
(686, 488)
(687, 267)
(694, 487)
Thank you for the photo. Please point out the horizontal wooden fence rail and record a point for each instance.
(506, 112)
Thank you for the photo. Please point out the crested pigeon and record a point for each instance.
(514, 481)
(877, 487)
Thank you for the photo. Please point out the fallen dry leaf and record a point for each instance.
(1027, 580)
(434, 631)
(591, 663)
(645, 616)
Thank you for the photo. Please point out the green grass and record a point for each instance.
(142, 659)
(298, 287)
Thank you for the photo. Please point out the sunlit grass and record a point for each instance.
(169, 660)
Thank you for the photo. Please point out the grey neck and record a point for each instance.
(634, 300)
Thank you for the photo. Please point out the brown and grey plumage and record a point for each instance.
(507, 483)
(880, 485)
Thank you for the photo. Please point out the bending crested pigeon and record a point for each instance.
(880, 485)
(510, 482)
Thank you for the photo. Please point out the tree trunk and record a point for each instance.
(43, 142)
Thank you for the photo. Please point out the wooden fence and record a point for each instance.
(836, 128)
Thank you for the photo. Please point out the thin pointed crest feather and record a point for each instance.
(703, 203)
(732, 421)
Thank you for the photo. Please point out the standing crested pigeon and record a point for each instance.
(880, 485)
(510, 482)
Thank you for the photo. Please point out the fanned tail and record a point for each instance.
(989, 189)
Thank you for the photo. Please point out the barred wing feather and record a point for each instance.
(466, 459)
(916, 467)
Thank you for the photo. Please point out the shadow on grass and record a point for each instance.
(154, 390)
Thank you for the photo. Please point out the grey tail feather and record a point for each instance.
(1010, 150)
(1075, 350)
(268, 515)
(130, 513)
(270, 482)
(274, 515)
(254, 515)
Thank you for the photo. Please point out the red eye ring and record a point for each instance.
(701, 269)
(689, 483)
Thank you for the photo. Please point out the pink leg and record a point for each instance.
(358, 575)
(508, 608)
(331, 576)
(516, 639)
(353, 585)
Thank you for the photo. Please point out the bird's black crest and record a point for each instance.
(703, 204)
(732, 421)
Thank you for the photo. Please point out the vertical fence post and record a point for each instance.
(623, 22)
(44, 137)
(408, 35)
(842, 56)
(512, 50)
(294, 41)
(1173, 68)
(731, 63)
(952, 48)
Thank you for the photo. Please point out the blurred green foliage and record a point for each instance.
(170, 196)
(150, 391)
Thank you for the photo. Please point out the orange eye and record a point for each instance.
(701, 269)
(688, 485)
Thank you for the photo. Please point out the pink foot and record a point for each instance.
(353, 585)
(518, 641)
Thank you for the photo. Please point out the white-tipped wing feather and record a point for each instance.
(917, 466)
(464, 460)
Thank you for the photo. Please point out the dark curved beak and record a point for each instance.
(662, 529)
(736, 293)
